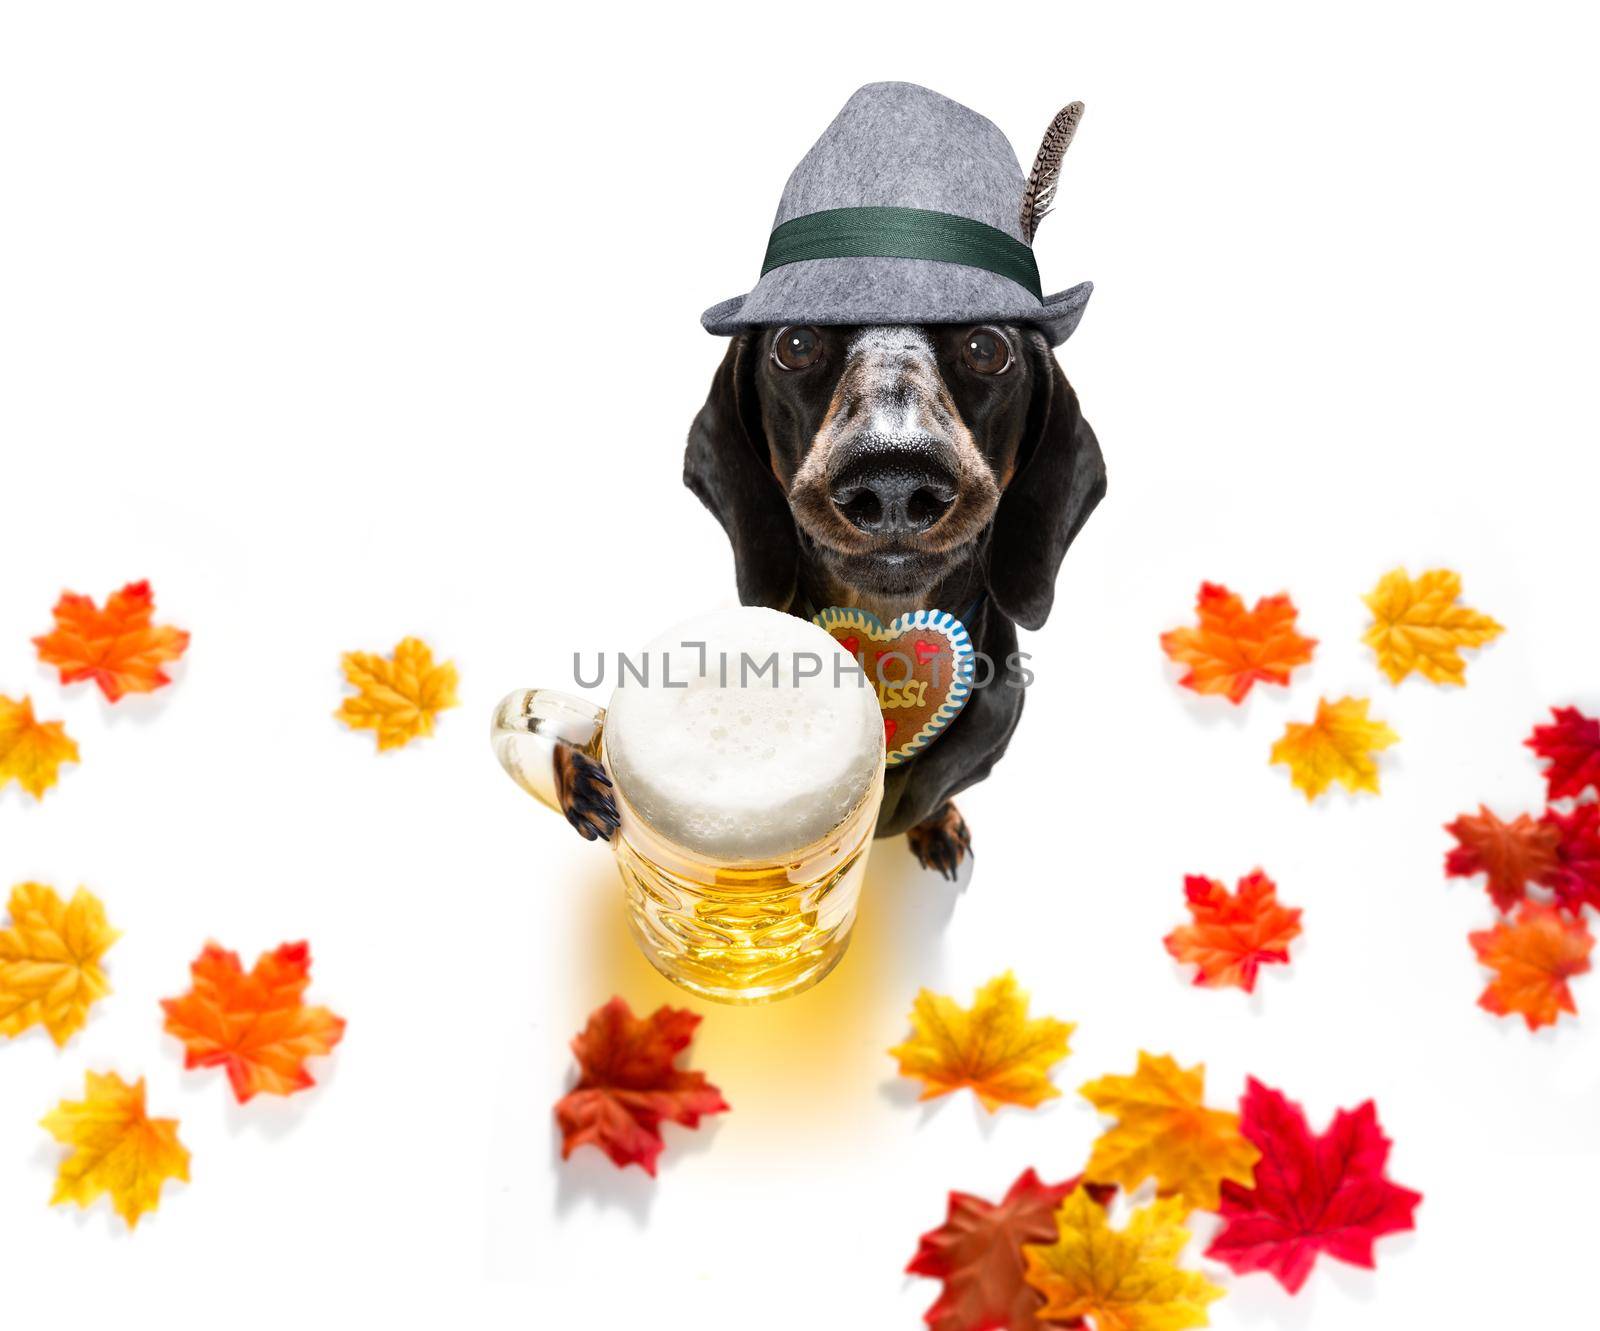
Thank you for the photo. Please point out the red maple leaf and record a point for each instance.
(627, 1084)
(977, 1252)
(1234, 933)
(1572, 745)
(1312, 1195)
(1575, 877)
(1512, 854)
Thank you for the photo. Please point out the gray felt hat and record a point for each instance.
(910, 208)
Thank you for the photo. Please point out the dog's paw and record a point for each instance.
(584, 790)
(941, 841)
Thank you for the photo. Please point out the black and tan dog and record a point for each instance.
(896, 469)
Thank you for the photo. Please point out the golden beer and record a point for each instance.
(747, 807)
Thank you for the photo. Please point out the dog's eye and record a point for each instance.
(797, 348)
(986, 351)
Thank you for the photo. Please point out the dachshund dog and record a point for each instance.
(899, 468)
(895, 468)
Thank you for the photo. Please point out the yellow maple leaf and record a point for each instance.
(1417, 625)
(1164, 1131)
(50, 970)
(992, 1047)
(31, 751)
(1123, 1280)
(1337, 746)
(397, 696)
(117, 1148)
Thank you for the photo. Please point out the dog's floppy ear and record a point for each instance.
(1061, 477)
(727, 465)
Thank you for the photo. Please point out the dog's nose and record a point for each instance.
(894, 487)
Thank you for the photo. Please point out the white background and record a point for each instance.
(347, 322)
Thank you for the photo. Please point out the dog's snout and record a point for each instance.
(893, 502)
(895, 485)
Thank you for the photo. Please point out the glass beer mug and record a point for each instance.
(746, 755)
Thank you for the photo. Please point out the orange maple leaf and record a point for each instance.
(398, 697)
(1337, 746)
(992, 1047)
(1233, 934)
(51, 956)
(1124, 1279)
(1232, 647)
(1165, 1131)
(118, 647)
(1533, 959)
(1512, 854)
(254, 1024)
(117, 1148)
(1417, 626)
(31, 751)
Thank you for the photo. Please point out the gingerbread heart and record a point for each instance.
(921, 666)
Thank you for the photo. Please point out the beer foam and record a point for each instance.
(737, 764)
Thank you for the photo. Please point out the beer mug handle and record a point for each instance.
(531, 726)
